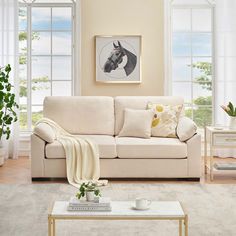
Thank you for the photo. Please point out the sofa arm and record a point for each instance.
(45, 132)
(37, 156)
(194, 156)
(186, 129)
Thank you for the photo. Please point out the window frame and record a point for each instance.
(169, 6)
(29, 55)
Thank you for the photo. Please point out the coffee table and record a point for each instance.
(121, 210)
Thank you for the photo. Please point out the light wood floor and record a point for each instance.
(18, 172)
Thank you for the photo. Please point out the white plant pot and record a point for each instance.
(232, 122)
(2, 155)
(90, 196)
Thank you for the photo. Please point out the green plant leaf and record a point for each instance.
(97, 192)
(231, 107)
(8, 104)
(1, 86)
(8, 68)
(8, 134)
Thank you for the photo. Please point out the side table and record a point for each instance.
(217, 137)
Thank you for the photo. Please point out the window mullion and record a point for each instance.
(29, 68)
(51, 58)
(191, 57)
(213, 64)
(73, 30)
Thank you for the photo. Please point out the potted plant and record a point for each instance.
(231, 111)
(89, 189)
(8, 108)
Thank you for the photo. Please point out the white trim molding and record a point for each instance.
(24, 144)
(77, 48)
(167, 48)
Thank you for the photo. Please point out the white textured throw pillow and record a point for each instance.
(186, 129)
(165, 119)
(137, 123)
(45, 132)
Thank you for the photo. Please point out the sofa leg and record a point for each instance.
(47, 179)
(40, 179)
(193, 179)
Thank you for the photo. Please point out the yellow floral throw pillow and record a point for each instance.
(165, 119)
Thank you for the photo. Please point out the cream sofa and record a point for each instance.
(101, 119)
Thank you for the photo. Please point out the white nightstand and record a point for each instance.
(217, 137)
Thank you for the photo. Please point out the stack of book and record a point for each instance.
(103, 204)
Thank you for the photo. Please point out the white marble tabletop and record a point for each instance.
(162, 209)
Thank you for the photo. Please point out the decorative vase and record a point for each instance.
(232, 122)
(2, 154)
(90, 196)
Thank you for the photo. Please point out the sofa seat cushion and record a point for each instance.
(106, 145)
(154, 147)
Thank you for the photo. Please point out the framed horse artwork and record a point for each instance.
(118, 59)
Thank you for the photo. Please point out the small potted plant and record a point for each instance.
(8, 108)
(231, 111)
(89, 189)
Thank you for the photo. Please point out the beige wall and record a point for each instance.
(123, 17)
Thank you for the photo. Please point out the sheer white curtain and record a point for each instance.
(225, 63)
(9, 55)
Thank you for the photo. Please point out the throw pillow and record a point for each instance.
(137, 123)
(165, 119)
(186, 129)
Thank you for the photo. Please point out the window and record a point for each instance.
(46, 57)
(192, 59)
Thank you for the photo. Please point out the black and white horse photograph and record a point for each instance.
(117, 56)
(118, 59)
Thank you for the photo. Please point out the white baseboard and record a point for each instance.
(24, 145)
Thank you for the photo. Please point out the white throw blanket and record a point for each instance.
(82, 156)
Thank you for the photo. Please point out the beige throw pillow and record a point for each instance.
(186, 129)
(137, 123)
(165, 119)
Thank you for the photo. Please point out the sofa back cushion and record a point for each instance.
(82, 114)
(139, 102)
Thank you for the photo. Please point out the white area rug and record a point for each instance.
(211, 209)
